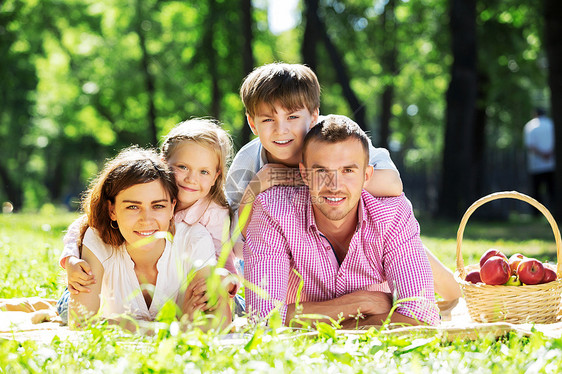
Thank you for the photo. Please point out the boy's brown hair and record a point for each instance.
(293, 86)
(334, 129)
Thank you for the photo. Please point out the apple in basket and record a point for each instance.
(513, 281)
(473, 277)
(495, 271)
(549, 274)
(514, 262)
(489, 253)
(530, 271)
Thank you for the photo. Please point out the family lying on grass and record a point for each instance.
(329, 231)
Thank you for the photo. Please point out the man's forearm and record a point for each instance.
(378, 320)
(343, 308)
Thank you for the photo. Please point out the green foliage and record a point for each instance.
(82, 79)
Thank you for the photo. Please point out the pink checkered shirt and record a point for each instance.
(385, 254)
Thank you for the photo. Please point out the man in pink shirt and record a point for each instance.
(356, 254)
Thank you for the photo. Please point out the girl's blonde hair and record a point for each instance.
(207, 133)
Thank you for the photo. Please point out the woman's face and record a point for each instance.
(141, 211)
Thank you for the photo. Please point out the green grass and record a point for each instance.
(30, 246)
(531, 237)
(29, 256)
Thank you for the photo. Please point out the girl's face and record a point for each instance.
(196, 170)
(142, 210)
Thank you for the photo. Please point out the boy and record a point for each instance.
(282, 103)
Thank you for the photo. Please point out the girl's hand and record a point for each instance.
(193, 299)
(196, 298)
(79, 274)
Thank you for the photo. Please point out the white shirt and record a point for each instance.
(539, 133)
(192, 248)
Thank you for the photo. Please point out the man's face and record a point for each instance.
(335, 174)
(282, 132)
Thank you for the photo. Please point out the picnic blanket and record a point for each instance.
(456, 324)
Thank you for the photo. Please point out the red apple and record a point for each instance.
(514, 261)
(530, 271)
(495, 270)
(549, 274)
(473, 277)
(489, 253)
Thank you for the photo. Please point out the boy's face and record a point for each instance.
(282, 132)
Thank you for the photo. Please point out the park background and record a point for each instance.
(445, 85)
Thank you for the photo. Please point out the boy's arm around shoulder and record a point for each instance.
(385, 181)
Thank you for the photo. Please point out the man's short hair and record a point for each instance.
(293, 86)
(540, 111)
(334, 129)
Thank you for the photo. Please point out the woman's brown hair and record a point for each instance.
(131, 166)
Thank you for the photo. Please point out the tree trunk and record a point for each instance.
(13, 189)
(311, 37)
(479, 147)
(456, 187)
(55, 176)
(148, 77)
(553, 15)
(247, 55)
(212, 58)
(336, 58)
(389, 64)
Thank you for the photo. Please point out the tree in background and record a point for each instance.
(81, 80)
(553, 44)
(248, 60)
(457, 183)
(18, 82)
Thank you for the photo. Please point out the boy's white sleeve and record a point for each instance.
(247, 162)
(71, 241)
(379, 158)
(237, 179)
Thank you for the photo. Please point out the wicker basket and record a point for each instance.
(538, 303)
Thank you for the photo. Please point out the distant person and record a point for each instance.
(332, 249)
(539, 142)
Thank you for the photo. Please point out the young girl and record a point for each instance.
(129, 211)
(198, 152)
